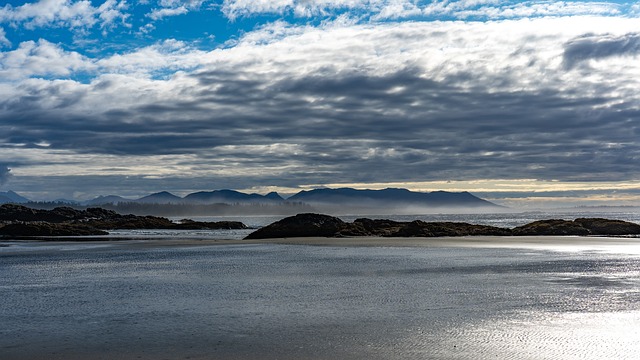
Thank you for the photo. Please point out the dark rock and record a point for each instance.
(420, 228)
(207, 225)
(100, 213)
(49, 229)
(551, 227)
(87, 222)
(417, 228)
(12, 212)
(369, 227)
(61, 214)
(301, 225)
(598, 226)
(306, 225)
(132, 222)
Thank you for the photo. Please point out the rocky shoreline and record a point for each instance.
(17, 221)
(21, 221)
(318, 225)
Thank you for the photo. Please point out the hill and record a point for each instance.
(392, 198)
(163, 197)
(109, 199)
(231, 197)
(12, 197)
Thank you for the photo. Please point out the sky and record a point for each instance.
(525, 103)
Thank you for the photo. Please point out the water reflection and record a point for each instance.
(536, 335)
(286, 302)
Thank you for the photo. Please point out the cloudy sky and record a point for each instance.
(521, 102)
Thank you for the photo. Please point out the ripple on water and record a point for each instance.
(288, 302)
(536, 336)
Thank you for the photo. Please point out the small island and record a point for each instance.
(22, 221)
(17, 221)
(318, 225)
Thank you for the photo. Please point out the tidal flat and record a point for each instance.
(318, 298)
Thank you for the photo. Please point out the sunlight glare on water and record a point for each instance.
(131, 301)
(535, 336)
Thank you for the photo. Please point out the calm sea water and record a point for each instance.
(131, 300)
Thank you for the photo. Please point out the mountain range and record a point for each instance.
(325, 197)
(12, 197)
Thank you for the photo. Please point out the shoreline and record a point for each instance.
(533, 242)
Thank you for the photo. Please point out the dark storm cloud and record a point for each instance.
(5, 173)
(400, 126)
(597, 47)
(344, 101)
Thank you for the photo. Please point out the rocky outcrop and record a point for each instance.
(188, 224)
(13, 212)
(301, 225)
(65, 221)
(580, 226)
(417, 228)
(49, 229)
(369, 227)
(307, 225)
(598, 226)
(551, 227)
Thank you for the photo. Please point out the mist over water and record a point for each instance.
(129, 300)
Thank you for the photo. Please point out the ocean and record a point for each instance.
(140, 300)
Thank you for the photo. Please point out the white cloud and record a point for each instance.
(157, 14)
(168, 56)
(341, 99)
(64, 13)
(500, 55)
(45, 59)
(3, 38)
(237, 8)
(537, 9)
(174, 8)
(399, 9)
(41, 58)
(112, 11)
(301, 8)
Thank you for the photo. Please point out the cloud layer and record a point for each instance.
(345, 101)
(64, 13)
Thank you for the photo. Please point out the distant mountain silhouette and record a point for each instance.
(335, 200)
(274, 196)
(12, 197)
(163, 197)
(231, 197)
(390, 196)
(109, 199)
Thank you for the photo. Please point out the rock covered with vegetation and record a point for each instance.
(49, 229)
(301, 225)
(18, 220)
(308, 225)
(580, 226)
